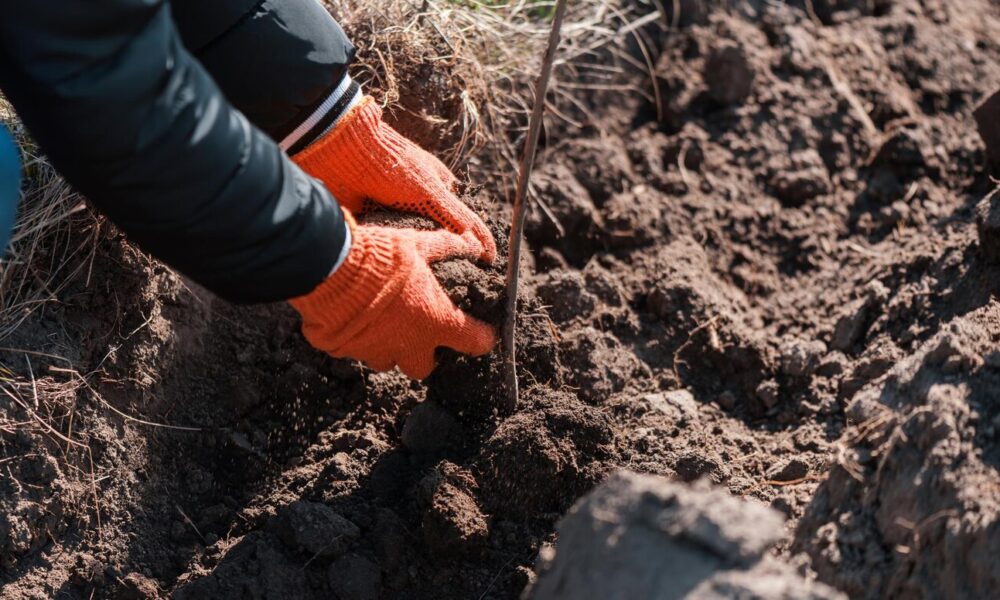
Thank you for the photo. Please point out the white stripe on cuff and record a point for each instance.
(292, 138)
(354, 102)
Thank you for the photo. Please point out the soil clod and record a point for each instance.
(314, 528)
(453, 524)
(354, 577)
(729, 74)
(429, 429)
(543, 455)
(988, 126)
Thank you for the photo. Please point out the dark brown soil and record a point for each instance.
(770, 279)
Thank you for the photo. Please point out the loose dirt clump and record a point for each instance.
(453, 523)
(554, 450)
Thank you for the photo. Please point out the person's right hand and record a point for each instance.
(363, 158)
(384, 307)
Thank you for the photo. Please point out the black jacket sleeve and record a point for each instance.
(134, 122)
(277, 61)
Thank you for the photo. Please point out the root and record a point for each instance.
(811, 11)
(121, 414)
(681, 157)
(188, 520)
(917, 528)
(714, 342)
(775, 483)
(844, 89)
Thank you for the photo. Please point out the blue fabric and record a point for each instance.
(10, 186)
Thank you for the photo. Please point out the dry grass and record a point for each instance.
(485, 57)
(52, 245)
(41, 413)
(52, 239)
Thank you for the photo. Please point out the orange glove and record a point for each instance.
(363, 158)
(383, 305)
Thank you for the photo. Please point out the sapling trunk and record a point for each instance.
(520, 210)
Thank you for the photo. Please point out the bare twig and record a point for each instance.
(188, 520)
(776, 483)
(842, 87)
(126, 416)
(84, 447)
(517, 221)
(811, 11)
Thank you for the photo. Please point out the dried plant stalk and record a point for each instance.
(517, 220)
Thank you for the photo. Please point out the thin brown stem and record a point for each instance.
(520, 205)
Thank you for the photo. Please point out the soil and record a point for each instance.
(771, 278)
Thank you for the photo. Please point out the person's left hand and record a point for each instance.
(384, 306)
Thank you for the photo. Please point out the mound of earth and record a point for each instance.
(909, 508)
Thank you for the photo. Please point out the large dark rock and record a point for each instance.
(639, 536)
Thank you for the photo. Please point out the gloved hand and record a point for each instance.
(363, 158)
(383, 305)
